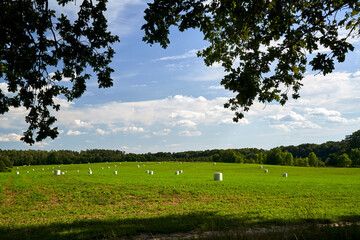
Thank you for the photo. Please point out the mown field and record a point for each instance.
(76, 205)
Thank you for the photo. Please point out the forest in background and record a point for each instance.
(345, 153)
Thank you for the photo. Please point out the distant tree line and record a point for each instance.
(345, 153)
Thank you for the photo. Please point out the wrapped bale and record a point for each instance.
(218, 176)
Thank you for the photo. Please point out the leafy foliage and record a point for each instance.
(263, 45)
(39, 48)
(5, 163)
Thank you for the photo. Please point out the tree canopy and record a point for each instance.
(40, 47)
(263, 45)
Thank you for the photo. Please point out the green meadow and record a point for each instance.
(36, 204)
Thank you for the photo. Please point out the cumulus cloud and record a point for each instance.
(11, 137)
(101, 132)
(177, 110)
(79, 123)
(290, 116)
(131, 129)
(3, 87)
(322, 112)
(289, 126)
(338, 119)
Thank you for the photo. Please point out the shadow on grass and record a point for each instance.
(119, 228)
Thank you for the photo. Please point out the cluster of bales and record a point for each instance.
(266, 171)
(218, 176)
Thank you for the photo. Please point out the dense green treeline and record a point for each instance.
(345, 153)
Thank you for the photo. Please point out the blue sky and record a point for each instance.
(168, 100)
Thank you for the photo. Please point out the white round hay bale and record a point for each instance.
(27, 171)
(102, 168)
(266, 171)
(181, 171)
(218, 176)
(115, 172)
(151, 172)
(138, 166)
(147, 171)
(115, 166)
(77, 170)
(177, 173)
(143, 165)
(17, 168)
(63, 172)
(108, 166)
(214, 163)
(90, 172)
(57, 172)
(260, 166)
(33, 170)
(17, 173)
(43, 169)
(285, 175)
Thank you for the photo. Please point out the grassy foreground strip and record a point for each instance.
(36, 204)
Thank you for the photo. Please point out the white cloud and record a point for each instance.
(170, 111)
(189, 54)
(11, 137)
(101, 132)
(185, 123)
(338, 119)
(163, 132)
(322, 112)
(79, 123)
(131, 129)
(63, 102)
(289, 126)
(290, 116)
(189, 134)
(3, 87)
(74, 133)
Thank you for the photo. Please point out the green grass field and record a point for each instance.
(40, 205)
